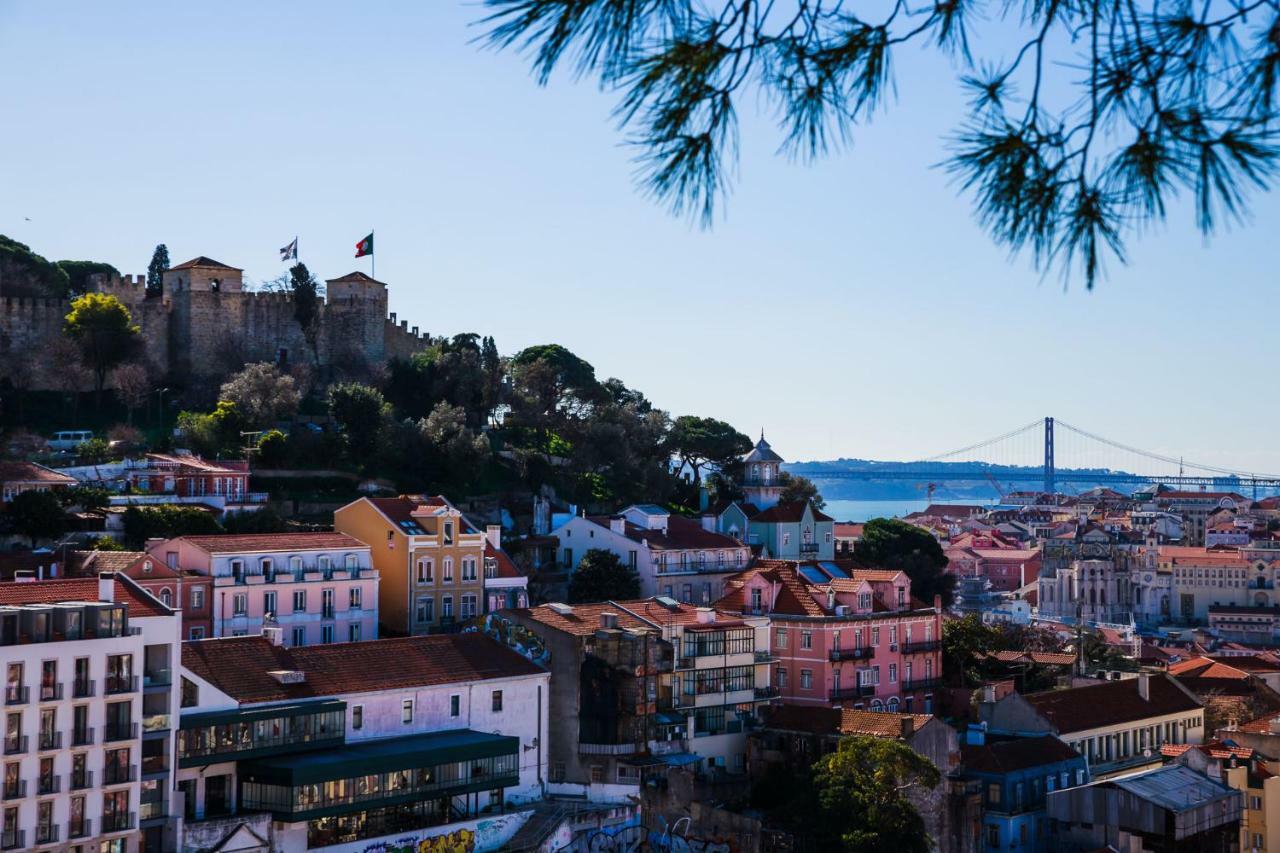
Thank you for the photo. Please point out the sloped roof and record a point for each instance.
(682, 534)
(78, 589)
(793, 596)
(1001, 755)
(1111, 702)
(356, 276)
(762, 452)
(15, 471)
(584, 619)
(234, 543)
(203, 261)
(789, 513)
(241, 666)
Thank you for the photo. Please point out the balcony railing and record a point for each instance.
(116, 684)
(922, 684)
(767, 692)
(157, 678)
(82, 737)
(13, 839)
(856, 653)
(118, 822)
(918, 648)
(157, 723)
(125, 731)
(80, 829)
(15, 744)
(48, 784)
(861, 691)
(153, 810)
(50, 692)
(47, 834)
(610, 748)
(764, 657)
(15, 790)
(50, 740)
(114, 774)
(83, 688)
(809, 547)
(16, 695)
(80, 781)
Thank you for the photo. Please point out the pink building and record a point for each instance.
(319, 587)
(843, 635)
(1006, 564)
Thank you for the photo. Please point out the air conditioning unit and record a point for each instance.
(893, 647)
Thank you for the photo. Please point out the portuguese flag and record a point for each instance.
(365, 246)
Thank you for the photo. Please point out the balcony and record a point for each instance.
(921, 684)
(920, 648)
(117, 684)
(858, 653)
(122, 731)
(81, 781)
(49, 740)
(118, 822)
(82, 737)
(50, 692)
(114, 774)
(214, 736)
(156, 723)
(80, 829)
(764, 657)
(14, 790)
(767, 693)
(808, 548)
(153, 810)
(15, 744)
(610, 748)
(48, 785)
(157, 679)
(862, 691)
(16, 695)
(83, 688)
(47, 834)
(13, 839)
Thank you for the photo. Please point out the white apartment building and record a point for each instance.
(343, 747)
(89, 708)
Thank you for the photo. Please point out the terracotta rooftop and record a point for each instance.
(1081, 708)
(399, 510)
(823, 720)
(241, 666)
(202, 261)
(793, 597)
(1044, 658)
(647, 613)
(681, 534)
(29, 472)
(79, 589)
(234, 543)
(1008, 755)
(789, 513)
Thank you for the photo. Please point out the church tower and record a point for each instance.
(760, 483)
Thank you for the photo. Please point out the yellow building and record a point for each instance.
(1247, 771)
(428, 556)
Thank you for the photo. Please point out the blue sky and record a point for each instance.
(851, 307)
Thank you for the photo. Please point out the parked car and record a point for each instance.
(70, 439)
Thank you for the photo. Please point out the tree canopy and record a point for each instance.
(796, 489)
(698, 442)
(155, 270)
(894, 544)
(360, 411)
(601, 576)
(262, 394)
(26, 273)
(1074, 140)
(78, 273)
(37, 515)
(104, 332)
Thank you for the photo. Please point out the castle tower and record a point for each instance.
(355, 317)
(760, 482)
(207, 316)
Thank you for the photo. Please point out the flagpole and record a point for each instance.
(373, 256)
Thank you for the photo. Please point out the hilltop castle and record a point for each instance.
(204, 325)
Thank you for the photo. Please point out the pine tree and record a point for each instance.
(155, 270)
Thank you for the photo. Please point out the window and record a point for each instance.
(326, 634)
(806, 639)
(323, 562)
(446, 607)
(350, 562)
(497, 701)
(448, 533)
(469, 606)
(782, 677)
(406, 712)
(353, 598)
(269, 603)
(875, 636)
(299, 636)
(864, 601)
(448, 570)
(993, 794)
(357, 717)
(806, 679)
(786, 539)
(597, 774)
(197, 597)
(166, 597)
(893, 635)
(1255, 803)
(353, 632)
(756, 604)
(893, 673)
(455, 705)
(299, 601)
(326, 603)
(426, 571)
(240, 604)
(780, 638)
(197, 632)
(469, 568)
(426, 610)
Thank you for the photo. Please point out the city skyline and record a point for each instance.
(849, 308)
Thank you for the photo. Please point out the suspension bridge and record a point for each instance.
(1054, 454)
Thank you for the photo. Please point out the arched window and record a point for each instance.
(295, 564)
(350, 561)
(323, 562)
(893, 703)
(166, 597)
(877, 705)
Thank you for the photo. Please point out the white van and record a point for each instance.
(70, 439)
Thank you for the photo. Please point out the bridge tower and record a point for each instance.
(1050, 486)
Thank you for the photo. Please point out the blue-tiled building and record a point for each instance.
(1015, 775)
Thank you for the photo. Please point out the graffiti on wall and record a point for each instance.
(674, 838)
(517, 637)
(458, 841)
(621, 838)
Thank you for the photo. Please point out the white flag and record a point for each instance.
(290, 252)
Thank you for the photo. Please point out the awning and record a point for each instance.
(378, 756)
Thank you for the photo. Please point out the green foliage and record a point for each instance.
(361, 412)
(104, 333)
(265, 520)
(95, 451)
(38, 515)
(306, 302)
(965, 638)
(155, 270)
(28, 274)
(262, 394)
(165, 522)
(601, 576)
(273, 449)
(214, 434)
(796, 488)
(698, 442)
(87, 498)
(894, 544)
(1075, 138)
(78, 273)
(107, 543)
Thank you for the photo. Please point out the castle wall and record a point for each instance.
(27, 324)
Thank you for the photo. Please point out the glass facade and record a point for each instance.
(735, 641)
(224, 737)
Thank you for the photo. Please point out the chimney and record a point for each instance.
(1144, 686)
(107, 586)
(273, 634)
(709, 523)
(608, 620)
(493, 532)
(831, 599)
(618, 525)
(908, 726)
(706, 615)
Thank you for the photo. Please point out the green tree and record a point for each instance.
(796, 488)
(962, 640)
(87, 498)
(601, 576)
(78, 273)
(107, 543)
(1064, 164)
(891, 543)
(37, 515)
(262, 394)
(27, 274)
(133, 386)
(155, 270)
(306, 304)
(104, 332)
(860, 802)
(265, 520)
(95, 451)
(214, 434)
(360, 412)
(698, 442)
(165, 522)
(273, 449)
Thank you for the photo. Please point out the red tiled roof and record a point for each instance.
(1081, 708)
(1261, 725)
(233, 543)
(400, 509)
(12, 471)
(79, 589)
(1203, 667)
(824, 720)
(1013, 754)
(793, 597)
(848, 530)
(1045, 658)
(241, 666)
(506, 568)
(583, 620)
(234, 466)
(682, 534)
(790, 512)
